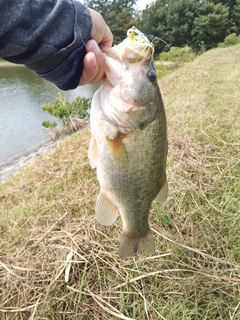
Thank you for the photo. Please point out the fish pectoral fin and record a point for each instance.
(163, 193)
(118, 151)
(93, 152)
(106, 212)
(132, 245)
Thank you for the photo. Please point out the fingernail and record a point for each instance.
(94, 47)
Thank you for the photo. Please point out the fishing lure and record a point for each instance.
(137, 37)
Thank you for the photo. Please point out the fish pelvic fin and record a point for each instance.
(93, 152)
(163, 193)
(106, 212)
(132, 245)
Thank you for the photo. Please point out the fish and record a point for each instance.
(128, 145)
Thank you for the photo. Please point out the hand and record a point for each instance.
(94, 60)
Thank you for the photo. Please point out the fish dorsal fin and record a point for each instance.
(106, 212)
(93, 152)
(163, 193)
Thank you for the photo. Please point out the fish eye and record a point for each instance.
(129, 32)
(152, 75)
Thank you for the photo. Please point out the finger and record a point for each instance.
(100, 70)
(92, 46)
(94, 64)
(107, 43)
(107, 39)
(90, 69)
(100, 30)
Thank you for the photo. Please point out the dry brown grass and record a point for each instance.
(56, 262)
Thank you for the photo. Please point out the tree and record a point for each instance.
(119, 15)
(153, 20)
(211, 26)
(100, 6)
(180, 18)
(235, 15)
(170, 20)
(177, 22)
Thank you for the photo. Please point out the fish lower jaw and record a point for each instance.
(131, 104)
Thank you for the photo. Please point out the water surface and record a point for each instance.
(22, 94)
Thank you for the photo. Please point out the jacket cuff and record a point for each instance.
(66, 75)
(64, 68)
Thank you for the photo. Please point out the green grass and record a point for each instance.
(47, 219)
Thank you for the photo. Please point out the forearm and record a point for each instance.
(49, 37)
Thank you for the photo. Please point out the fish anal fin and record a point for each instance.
(163, 193)
(93, 152)
(106, 212)
(132, 245)
(118, 151)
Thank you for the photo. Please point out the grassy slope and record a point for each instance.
(47, 219)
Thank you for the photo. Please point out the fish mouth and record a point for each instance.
(136, 54)
(134, 105)
(135, 100)
(129, 54)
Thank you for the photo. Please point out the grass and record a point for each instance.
(56, 262)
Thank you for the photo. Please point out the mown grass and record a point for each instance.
(56, 262)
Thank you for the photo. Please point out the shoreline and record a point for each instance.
(24, 158)
(21, 160)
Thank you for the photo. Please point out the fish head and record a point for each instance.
(129, 60)
(131, 80)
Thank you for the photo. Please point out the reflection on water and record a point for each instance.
(21, 95)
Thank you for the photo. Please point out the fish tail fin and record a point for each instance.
(132, 245)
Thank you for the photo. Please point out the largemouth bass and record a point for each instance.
(129, 143)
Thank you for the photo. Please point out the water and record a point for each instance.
(22, 94)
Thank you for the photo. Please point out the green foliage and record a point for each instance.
(169, 20)
(171, 60)
(178, 55)
(234, 13)
(211, 25)
(180, 19)
(199, 24)
(230, 40)
(64, 109)
(165, 219)
(68, 112)
(235, 17)
(49, 124)
(119, 15)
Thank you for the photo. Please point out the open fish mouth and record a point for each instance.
(135, 48)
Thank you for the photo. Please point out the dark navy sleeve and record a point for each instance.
(48, 36)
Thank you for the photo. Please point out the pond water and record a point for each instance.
(22, 94)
